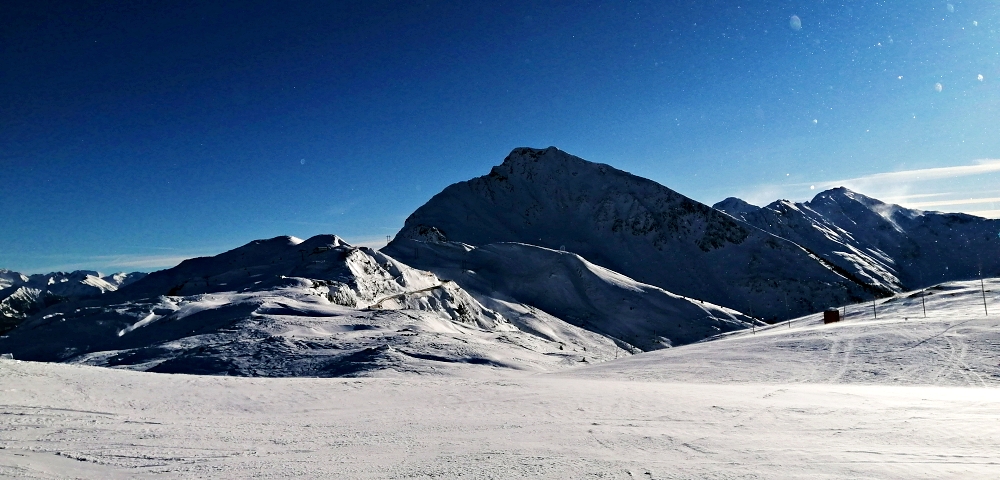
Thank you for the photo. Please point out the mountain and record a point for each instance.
(637, 227)
(23, 295)
(736, 207)
(288, 307)
(567, 286)
(9, 278)
(883, 244)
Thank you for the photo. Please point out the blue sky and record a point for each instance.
(135, 134)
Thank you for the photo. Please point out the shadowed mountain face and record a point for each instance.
(634, 226)
(883, 244)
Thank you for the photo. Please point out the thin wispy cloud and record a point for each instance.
(985, 213)
(906, 198)
(969, 201)
(917, 175)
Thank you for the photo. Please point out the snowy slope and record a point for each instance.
(633, 226)
(955, 344)
(566, 286)
(882, 244)
(287, 307)
(900, 397)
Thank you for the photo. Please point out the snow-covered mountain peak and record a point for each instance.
(735, 207)
(850, 202)
(10, 278)
(885, 245)
(353, 276)
(545, 165)
(632, 225)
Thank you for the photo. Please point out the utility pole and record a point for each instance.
(387, 239)
(922, 304)
(873, 307)
(983, 287)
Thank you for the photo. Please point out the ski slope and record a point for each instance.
(956, 344)
(902, 396)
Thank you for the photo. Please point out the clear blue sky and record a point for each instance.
(136, 133)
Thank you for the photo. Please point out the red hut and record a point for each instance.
(831, 315)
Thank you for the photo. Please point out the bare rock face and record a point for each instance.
(637, 227)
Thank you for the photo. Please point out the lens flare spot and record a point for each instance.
(795, 22)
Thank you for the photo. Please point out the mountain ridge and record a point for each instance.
(884, 244)
(24, 295)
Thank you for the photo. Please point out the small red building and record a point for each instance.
(831, 315)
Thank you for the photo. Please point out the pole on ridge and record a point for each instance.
(873, 307)
(982, 286)
(922, 304)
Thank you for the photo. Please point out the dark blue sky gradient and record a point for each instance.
(135, 133)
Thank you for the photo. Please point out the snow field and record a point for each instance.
(71, 421)
(897, 397)
(957, 344)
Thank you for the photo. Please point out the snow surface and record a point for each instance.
(810, 401)
(956, 344)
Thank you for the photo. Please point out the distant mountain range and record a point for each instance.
(547, 261)
(321, 307)
(883, 245)
(24, 295)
